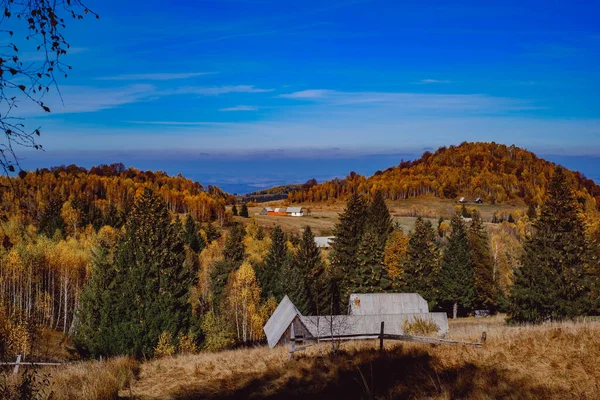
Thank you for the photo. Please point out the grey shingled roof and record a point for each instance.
(386, 303)
(281, 319)
(323, 326)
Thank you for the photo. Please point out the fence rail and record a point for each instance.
(18, 363)
(381, 336)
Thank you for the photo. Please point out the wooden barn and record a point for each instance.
(366, 312)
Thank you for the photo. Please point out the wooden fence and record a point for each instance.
(381, 336)
(18, 363)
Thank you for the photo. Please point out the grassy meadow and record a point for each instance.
(552, 361)
(324, 216)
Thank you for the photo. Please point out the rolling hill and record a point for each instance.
(494, 172)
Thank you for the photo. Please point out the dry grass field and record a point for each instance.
(324, 216)
(553, 361)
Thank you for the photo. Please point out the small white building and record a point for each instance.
(295, 211)
(324, 242)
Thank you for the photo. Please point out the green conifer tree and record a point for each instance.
(457, 277)
(553, 282)
(294, 286)
(234, 210)
(371, 276)
(271, 272)
(308, 261)
(51, 219)
(421, 269)
(234, 248)
(244, 211)
(191, 236)
(378, 219)
(486, 290)
(348, 235)
(149, 289)
(212, 233)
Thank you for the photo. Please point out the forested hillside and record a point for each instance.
(102, 195)
(53, 221)
(494, 172)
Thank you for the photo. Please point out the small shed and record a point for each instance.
(478, 200)
(463, 200)
(295, 211)
(266, 211)
(324, 242)
(277, 328)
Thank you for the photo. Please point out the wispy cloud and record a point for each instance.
(408, 101)
(217, 90)
(239, 108)
(309, 94)
(430, 81)
(179, 123)
(154, 76)
(83, 99)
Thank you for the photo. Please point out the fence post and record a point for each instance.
(292, 341)
(381, 338)
(16, 370)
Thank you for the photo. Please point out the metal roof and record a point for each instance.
(322, 326)
(386, 303)
(281, 319)
(324, 241)
(294, 209)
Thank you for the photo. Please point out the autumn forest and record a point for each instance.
(79, 247)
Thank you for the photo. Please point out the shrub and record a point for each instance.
(419, 327)
(186, 344)
(165, 346)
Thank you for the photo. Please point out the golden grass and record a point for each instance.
(92, 380)
(550, 361)
(325, 216)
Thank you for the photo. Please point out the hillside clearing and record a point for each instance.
(324, 216)
(550, 361)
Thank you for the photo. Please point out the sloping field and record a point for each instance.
(555, 361)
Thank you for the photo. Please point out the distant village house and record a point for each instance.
(282, 211)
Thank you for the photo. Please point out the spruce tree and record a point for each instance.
(553, 282)
(234, 248)
(294, 286)
(234, 210)
(271, 272)
(310, 265)
(212, 233)
(378, 218)
(219, 276)
(244, 211)
(191, 236)
(94, 313)
(371, 273)
(421, 269)
(149, 291)
(51, 219)
(457, 277)
(486, 291)
(344, 249)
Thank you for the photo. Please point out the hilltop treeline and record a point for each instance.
(494, 172)
(104, 194)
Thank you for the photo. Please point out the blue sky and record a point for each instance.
(165, 82)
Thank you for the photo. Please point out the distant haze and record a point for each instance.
(244, 173)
